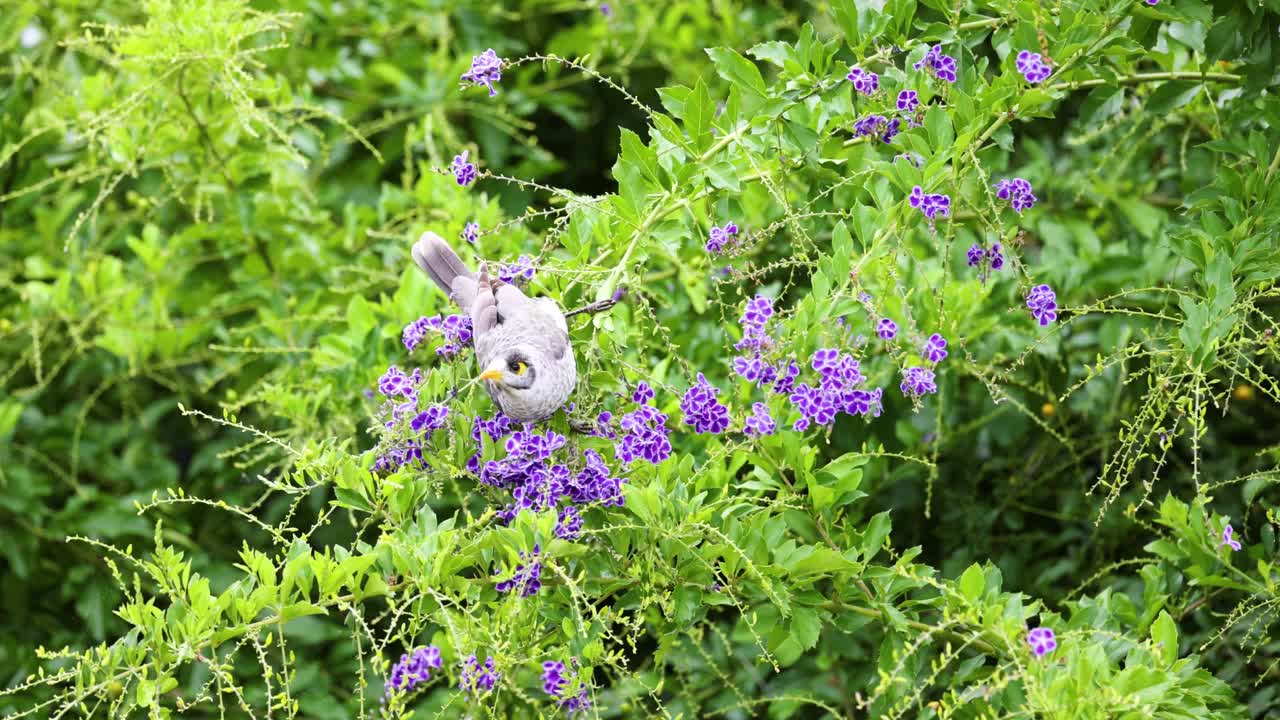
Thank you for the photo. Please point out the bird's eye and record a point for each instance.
(517, 367)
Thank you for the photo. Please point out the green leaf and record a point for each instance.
(1164, 632)
(972, 582)
(738, 70)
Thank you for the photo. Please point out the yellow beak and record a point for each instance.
(491, 375)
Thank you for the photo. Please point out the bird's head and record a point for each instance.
(514, 369)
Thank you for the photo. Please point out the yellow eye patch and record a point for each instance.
(521, 368)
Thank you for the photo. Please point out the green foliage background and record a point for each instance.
(205, 215)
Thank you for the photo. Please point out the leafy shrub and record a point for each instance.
(938, 385)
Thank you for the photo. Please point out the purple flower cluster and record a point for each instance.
(937, 64)
(760, 422)
(527, 579)
(1228, 540)
(569, 524)
(980, 257)
(877, 125)
(918, 381)
(1018, 192)
(864, 81)
(754, 321)
(519, 272)
(722, 237)
(413, 669)
(471, 232)
(554, 684)
(644, 431)
(908, 101)
(886, 329)
(932, 205)
(476, 679)
(486, 69)
(838, 390)
(463, 171)
(1032, 67)
(1043, 303)
(1042, 641)
(401, 393)
(455, 328)
(702, 410)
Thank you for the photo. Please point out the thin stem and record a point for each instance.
(1139, 78)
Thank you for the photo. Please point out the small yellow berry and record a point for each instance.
(1243, 392)
(1048, 409)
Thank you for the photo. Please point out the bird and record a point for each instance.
(522, 343)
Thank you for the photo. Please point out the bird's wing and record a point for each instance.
(483, 307)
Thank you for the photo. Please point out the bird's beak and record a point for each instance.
(491, 374)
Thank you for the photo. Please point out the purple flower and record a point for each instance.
(908, 100)
(721, 237)
(456, 330)
(886, 329)
(569, 524)
(413, 669)
(1227, 538)
(1043, 303)
(1042, 641)
(430, 420)
(643, 393)
(1030, 65)
(760, 422)
(394, 383)
(976, 255)
(463, 171)
(471, 232)
(937, 64)
(519, 272)
(918, 381)
(486, 69)
(1018, 192)
(605, 10)
(476, 679)
(997, 257)
(527, 578)
(702, 410)
(1153, 2)
(864, 81)
(935, 349)
(553, 681)
(932, 205)
(912, 158)
(755, 318)
(873, 125)
(644, 435)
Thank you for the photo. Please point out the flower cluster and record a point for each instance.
(877, 125)
(456, 330)
(413, 669)
(471, 232)
(486, 69)
(908, 101)
(1043, 303)
(430, 420)
(463, 171)
(983, 258)
(1032, 67)
(644, 431)
(527, 579)
(401, 393)
(1018, 192)
(931, 204)
(1042, 641)
(1228, 540)
(864, 81)
(760, 422)
(702, 410)
(554, 684)
(519, 272)
(569, 524)
(722, 237)
(918, 381)
(838, 390)
(936, 64)
(476, 679)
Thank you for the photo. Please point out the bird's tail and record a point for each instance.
(443, 266)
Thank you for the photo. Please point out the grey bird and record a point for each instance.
(522, 343)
